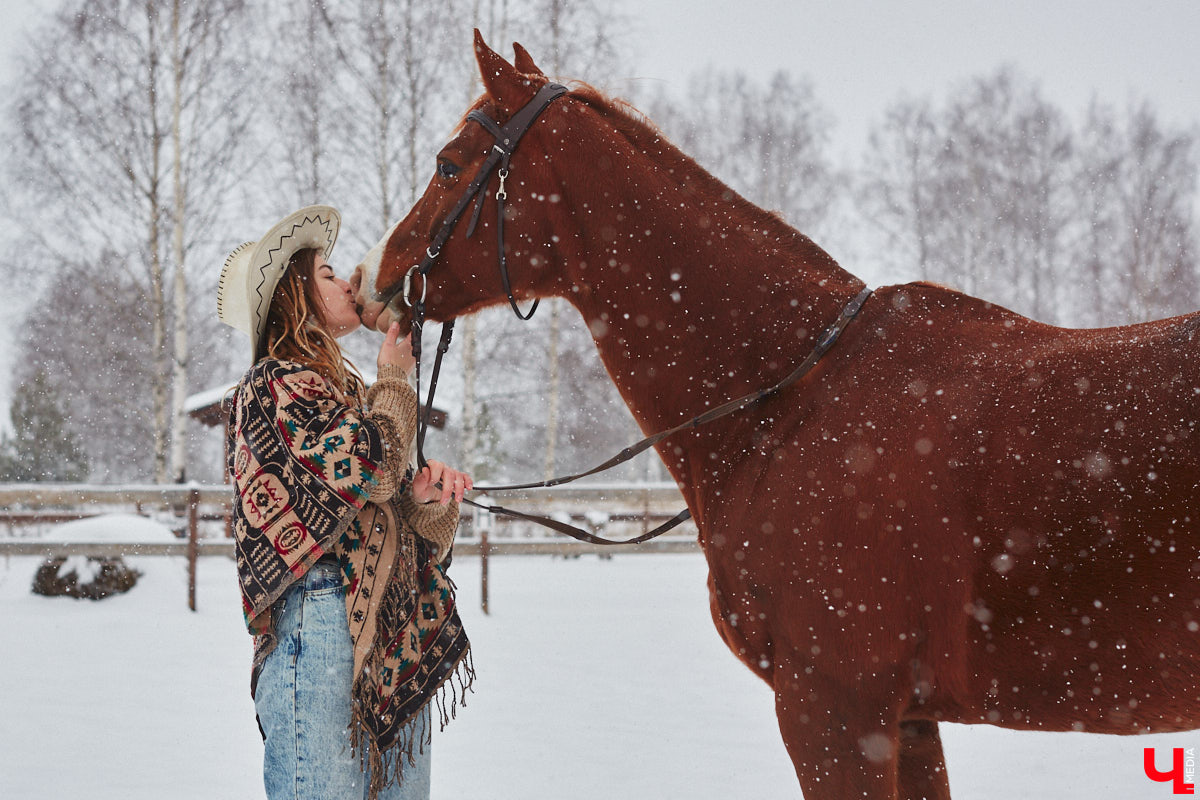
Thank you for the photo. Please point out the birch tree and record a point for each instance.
(210, 116)
(575, 38)
(91, 133)
(977, 194)
(108, 138)
(769, 141)
(303, 101)
(898, 185)
(998, 194)
(1137, 239)
(393, 62)
(1008, 155)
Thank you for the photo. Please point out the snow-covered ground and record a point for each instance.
(597, 679)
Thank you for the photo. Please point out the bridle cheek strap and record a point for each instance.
(512, 301)
(425, 413)
(506, 138)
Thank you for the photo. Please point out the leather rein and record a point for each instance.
(506, 139)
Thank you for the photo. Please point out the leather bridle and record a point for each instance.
(507, 137)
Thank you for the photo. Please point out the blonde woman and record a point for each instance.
(341, 548)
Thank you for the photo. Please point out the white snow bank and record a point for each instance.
(111, 528)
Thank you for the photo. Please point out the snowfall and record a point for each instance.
(597, 678)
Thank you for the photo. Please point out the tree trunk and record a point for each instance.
(469, 334)
(180, 363)
(414, 99)
(553, 390)
(158, 330)
(470, 433)
(384, 89)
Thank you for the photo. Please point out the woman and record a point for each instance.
(341, 549)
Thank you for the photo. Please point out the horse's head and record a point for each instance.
(446, 246)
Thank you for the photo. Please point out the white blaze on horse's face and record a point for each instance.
(367, 294)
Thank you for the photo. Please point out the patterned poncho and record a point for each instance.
(315, 474)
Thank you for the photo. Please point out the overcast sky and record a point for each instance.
(863, 54)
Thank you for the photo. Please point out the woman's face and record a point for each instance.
(337, 300)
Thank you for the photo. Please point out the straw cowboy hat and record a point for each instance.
(253, 270)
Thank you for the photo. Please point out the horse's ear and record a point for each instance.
(524, 61)
(508, 87)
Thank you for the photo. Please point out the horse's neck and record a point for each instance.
(694, 299)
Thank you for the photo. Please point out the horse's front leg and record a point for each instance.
(922, 765)
(843, 733)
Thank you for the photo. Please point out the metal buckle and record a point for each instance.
(408, 285)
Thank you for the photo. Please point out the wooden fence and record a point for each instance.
(613, 510)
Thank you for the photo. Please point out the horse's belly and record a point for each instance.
(1074, 692)
(1112, 658)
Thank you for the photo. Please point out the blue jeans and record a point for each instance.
(303, 701)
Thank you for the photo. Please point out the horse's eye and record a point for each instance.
(447, 169)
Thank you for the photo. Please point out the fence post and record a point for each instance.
(483, 570)
(645, 510)
(482, 522)
(193, 545)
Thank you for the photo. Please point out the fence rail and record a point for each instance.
(482, 535)
(72, 495)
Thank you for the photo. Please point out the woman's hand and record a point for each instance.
(396, 351)
(454, 484)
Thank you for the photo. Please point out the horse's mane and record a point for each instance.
(643, 135)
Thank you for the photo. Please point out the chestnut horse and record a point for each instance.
(959, 515)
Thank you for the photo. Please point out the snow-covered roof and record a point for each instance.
(208, 397)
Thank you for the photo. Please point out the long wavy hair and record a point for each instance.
(296, 332)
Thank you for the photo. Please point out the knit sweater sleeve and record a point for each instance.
(433, 522)
(392, 405)
(393, 408)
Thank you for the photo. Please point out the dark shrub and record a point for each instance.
(111, 576)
